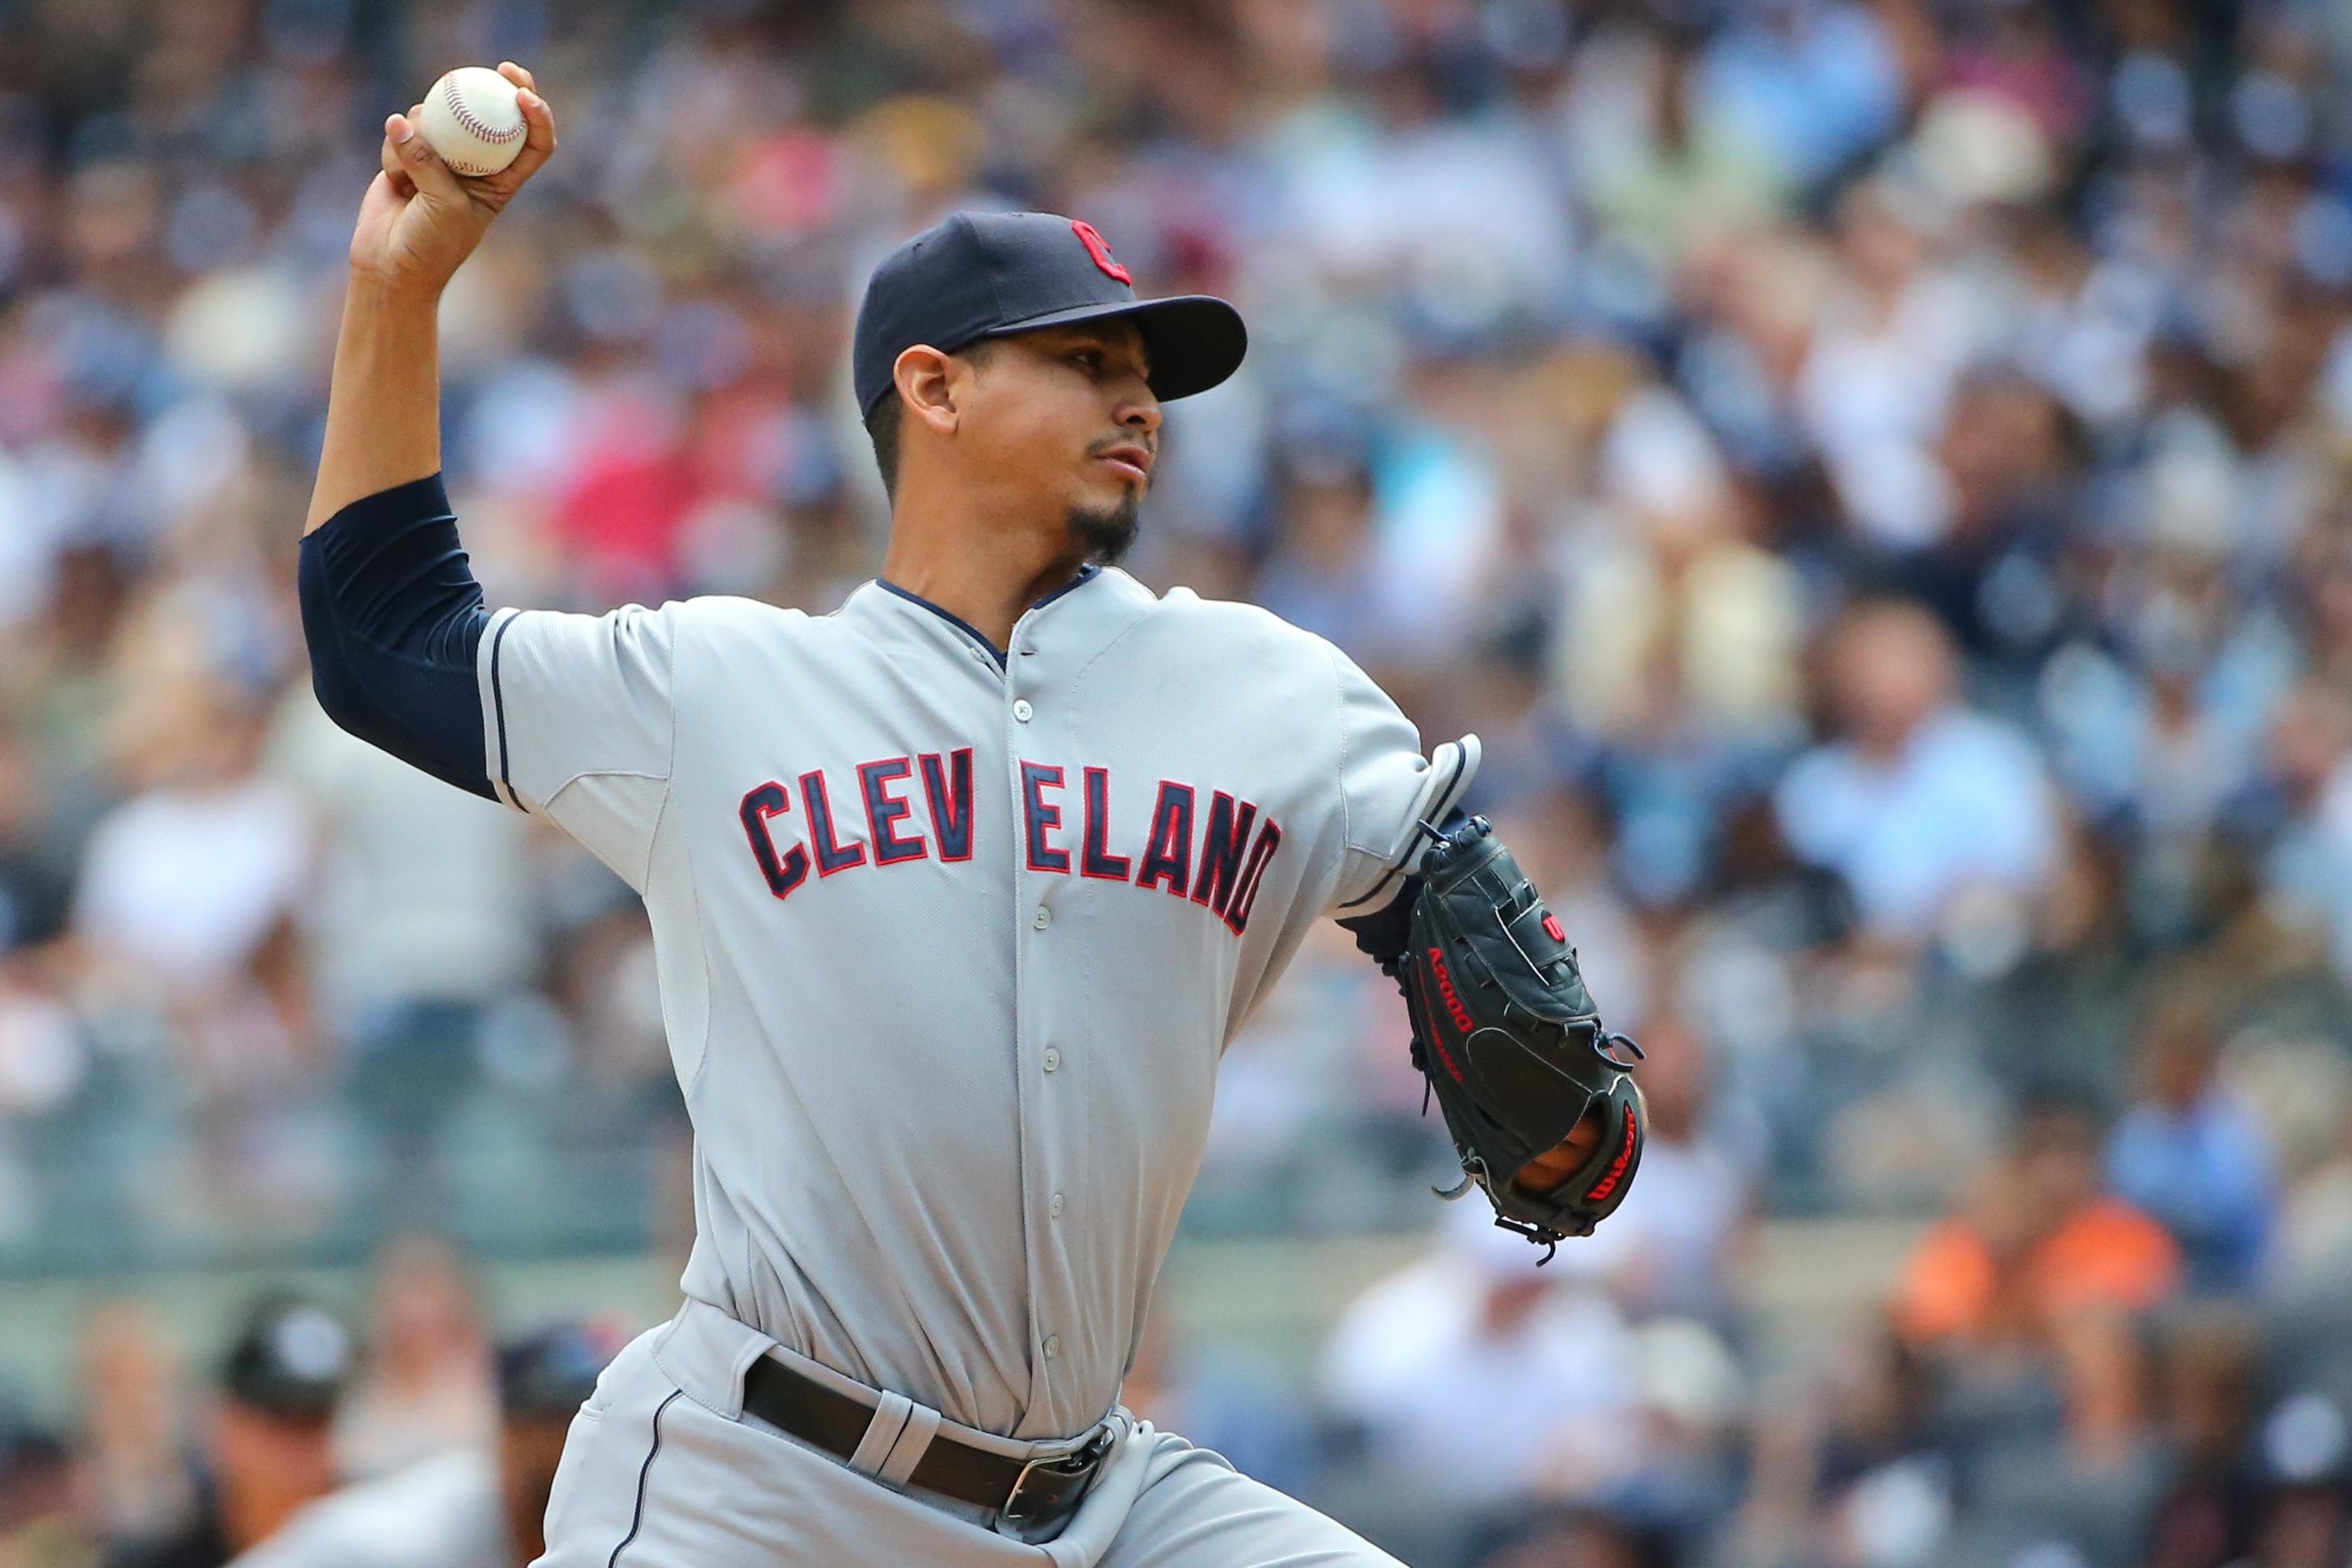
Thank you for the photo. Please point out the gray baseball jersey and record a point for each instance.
(950, 944)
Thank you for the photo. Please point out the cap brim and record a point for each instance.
(1195, 341)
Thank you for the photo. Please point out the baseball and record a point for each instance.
(473, 120)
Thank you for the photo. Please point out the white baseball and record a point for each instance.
(473, 120)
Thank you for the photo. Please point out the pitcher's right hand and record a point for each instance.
(420, 220)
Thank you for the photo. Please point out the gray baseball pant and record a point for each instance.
(662, 1472)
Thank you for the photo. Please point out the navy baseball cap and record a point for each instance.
(982, 275)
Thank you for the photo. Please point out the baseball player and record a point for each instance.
(958, 894)
(466, 1507)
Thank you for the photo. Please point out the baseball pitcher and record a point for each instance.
(957, 895)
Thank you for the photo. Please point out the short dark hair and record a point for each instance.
(883, 421)
(882, 429)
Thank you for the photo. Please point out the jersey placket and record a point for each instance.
(1050, 1055)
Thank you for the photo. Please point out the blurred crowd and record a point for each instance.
(307, 1443)
(1877, 473)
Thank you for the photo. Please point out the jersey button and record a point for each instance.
(1053, 1059)
(1021, 711)
(1044, 918)
(1057, 1206)
(1053, 1346)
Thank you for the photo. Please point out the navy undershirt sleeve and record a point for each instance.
(394, 616)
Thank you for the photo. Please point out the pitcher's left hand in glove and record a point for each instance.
(1538, 1096)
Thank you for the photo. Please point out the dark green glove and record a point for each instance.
(1510, 1040)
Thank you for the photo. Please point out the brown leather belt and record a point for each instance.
(1027, 1493)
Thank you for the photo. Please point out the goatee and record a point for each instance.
(1109, 533)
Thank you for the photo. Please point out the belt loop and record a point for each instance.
(922, 1425)
(882, 1433)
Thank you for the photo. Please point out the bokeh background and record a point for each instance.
(1877, 473)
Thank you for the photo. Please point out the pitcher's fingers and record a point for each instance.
(518, 75)
(421, 163)
(538, 136)
(395, 167)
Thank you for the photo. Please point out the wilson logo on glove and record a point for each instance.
(1616, 1173)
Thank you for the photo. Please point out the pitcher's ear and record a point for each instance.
(925, 380)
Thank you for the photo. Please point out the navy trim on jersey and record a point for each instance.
(1085, 575)
(499, 697)
(973, 632)
(644, 1473)
(393, 620)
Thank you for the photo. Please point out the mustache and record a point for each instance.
(1150, 442)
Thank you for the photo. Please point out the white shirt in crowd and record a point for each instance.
(424, 891)
(1965, 803)
(1482, 1416)
(189, 883)
(442, 1512)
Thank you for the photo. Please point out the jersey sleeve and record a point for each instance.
(393, 621)
(578, 724)
(1387, 789)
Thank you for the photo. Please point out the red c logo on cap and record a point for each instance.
(1093, 239)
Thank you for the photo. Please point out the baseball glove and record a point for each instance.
(1507, 1036)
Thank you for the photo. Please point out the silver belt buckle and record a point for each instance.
(1078, 1466)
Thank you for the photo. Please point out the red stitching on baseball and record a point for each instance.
(473, 122)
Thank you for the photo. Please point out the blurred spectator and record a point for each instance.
(2210, 1362)
(2304, 1512)
(1677, 612)
(268, 1444)
(1219, 1398)
(2312, 1254)
(1678, 650)
(423, 916)
(1922, 801)
(466, 1508)
(1577, 1538)
(2014, 456)
(2085, 1483)
(2039, 1243)
(2300, 815)
(34, 888)
(1321, 575)
(423, 1384)
(137, 1471)
(188, 889)
(2193, 1155)
(1814, 82)
(1895, 330)
(1482, 1379)
(1666, 170)
(1851, 1462)
(39, 1524)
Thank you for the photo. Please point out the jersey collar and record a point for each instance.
(1085, 575)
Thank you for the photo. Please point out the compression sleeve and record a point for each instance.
(394, 616)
